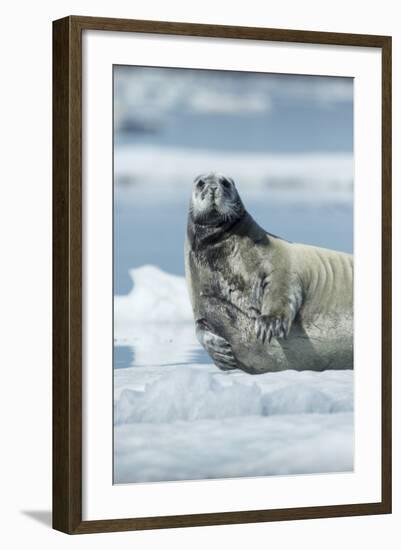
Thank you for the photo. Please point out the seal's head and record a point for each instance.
(215, 200)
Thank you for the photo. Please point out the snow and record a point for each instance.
(194, 422)
(155, 297)
(233, 447)
(179, 418)
(155, 317)
(194, 393)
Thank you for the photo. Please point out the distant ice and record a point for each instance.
(153, 92)
(301, 177)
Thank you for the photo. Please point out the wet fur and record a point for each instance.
(260, 303)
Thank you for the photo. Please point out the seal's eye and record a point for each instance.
(225, 183)
(201, 184)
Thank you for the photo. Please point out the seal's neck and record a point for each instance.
(202, 236)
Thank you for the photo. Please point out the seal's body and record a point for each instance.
(260, 303)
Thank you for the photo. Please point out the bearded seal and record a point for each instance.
(261, 303)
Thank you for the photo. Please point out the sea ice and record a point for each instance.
(177, 418)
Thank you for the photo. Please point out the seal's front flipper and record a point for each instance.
(217, 347)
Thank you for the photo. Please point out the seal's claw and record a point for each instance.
(224, 361)
(269, 326)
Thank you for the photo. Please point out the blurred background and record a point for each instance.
(285, 139)
(287, 142)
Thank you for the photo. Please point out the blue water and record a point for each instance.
(282, 131)
(154, 234)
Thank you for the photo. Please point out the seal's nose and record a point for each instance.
(213, 189)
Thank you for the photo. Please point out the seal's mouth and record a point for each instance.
(212, 201)
(214, 206)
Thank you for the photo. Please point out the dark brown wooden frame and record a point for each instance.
(67, 274)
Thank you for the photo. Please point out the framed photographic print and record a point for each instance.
(219, 357)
